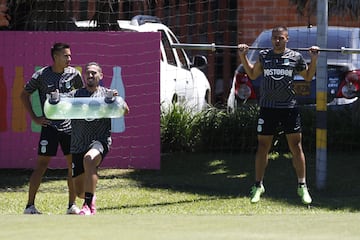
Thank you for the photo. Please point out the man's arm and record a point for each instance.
(25, 99)
(310, 71)
(252, 70)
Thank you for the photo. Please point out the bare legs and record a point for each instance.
(38, 173)
(264, 146)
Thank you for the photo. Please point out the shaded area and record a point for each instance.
(229, 176)
(18, 179)
(226, 176)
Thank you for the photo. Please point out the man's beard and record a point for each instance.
(91, 84)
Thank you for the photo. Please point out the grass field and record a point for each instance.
(193, 196)
(162, 227)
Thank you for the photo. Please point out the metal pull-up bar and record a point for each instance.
(213, 47)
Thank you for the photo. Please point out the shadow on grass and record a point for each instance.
(169, 203)
(18, 179)
(231, 175)
(227, 176)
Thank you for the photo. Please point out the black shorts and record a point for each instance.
(50, 138)
(274, 120)
(78, 158)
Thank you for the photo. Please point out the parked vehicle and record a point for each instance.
(343, 69)
(181, 80)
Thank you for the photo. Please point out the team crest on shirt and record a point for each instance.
(286, 62)
(68, 85)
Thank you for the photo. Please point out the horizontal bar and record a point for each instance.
(213, 47)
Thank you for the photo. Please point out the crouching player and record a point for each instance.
(90, 142)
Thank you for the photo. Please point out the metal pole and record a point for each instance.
(213, 47)
(321, 96)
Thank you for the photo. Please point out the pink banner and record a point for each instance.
(130, 62)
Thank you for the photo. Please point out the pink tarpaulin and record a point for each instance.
(130, 61)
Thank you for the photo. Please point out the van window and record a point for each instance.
(168, 50)
(182, 58)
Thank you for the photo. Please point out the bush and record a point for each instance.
(228, 132)
(210, 130)
(177, 130)
(216, 130)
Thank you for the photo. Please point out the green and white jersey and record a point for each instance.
(86, 131)
(276, 88)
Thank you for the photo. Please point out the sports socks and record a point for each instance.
(88, 198)
(301, 182)
(258, 184)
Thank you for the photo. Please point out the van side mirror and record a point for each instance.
(199, 61)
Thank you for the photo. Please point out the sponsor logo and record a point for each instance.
(278, 74)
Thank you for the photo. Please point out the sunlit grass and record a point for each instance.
(187, 184)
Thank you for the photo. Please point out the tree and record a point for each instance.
(106, 15)
(336, 7)
(43, 15)
(49, 15)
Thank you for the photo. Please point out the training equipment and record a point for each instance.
(84, 107)
(213, 47)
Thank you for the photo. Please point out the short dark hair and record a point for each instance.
(280, 29)
(58, 47)
(95, 64)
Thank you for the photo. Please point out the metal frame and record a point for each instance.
(213, 47)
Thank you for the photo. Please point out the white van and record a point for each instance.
(181, 80)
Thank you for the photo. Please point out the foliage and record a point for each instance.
(58, 15)
(228, 132)
(177, 129)
(210, 130)
(39, 15)
(49, 15)
(216, 130)
(336, 7)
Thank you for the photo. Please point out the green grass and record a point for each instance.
(195, 196)
(198, 227)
